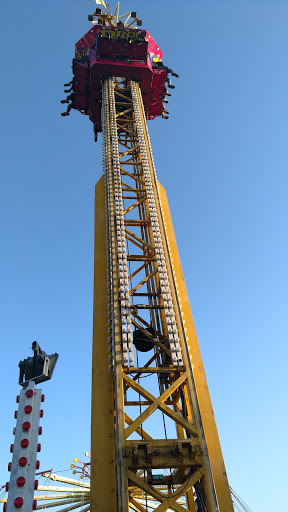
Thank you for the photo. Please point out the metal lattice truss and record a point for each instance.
(127, 165)
(142, 296)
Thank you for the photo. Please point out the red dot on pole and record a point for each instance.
(24, 443)
(26, 425)
(29, 393)
(35, 485)
(42, 398)
(22, 461)
(17, 399)
(9, 466)
(40, 431)
(18, 502)
(38, 447)
(37, 464)
(11, 448)
(28, 409)
(7, 486)
(34, 504)
(20, 481)
(41, 413)
(15, 415)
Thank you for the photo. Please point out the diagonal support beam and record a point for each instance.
(137, 505)
(130, 150)
(137, 271)
(171, 501)
(117, 93)
(135, 178)
(142, 433)
(143, 282)
(157, 495)
(124, 112)
(130, 208)
(156, 403)
(139, 239)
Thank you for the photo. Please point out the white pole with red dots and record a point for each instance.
(24, 462)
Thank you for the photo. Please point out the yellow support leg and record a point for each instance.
(205, 405)
(103, 479)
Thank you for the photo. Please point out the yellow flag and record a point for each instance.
(101, 2)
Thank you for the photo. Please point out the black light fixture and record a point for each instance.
(38, 368)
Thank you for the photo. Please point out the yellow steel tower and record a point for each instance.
(154, 441)
(154, 438)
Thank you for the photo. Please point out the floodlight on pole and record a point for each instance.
(38, 368)
(25, 448)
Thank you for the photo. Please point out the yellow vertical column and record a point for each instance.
(103, 479)
(207, 415)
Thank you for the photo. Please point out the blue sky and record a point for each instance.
(222, 158)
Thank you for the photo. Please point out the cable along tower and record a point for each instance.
(154, 441)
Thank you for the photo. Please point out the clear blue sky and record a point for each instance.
(223, 159)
